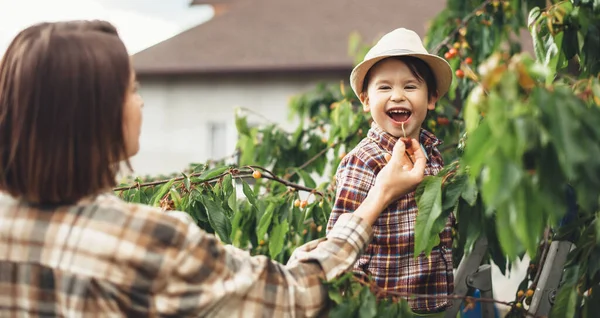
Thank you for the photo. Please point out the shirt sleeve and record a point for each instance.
(210, 279)
(354, 179)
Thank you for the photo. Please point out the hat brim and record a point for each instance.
(439, 66)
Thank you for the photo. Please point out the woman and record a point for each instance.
(69, 114)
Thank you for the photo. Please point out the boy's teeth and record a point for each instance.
(399, 115)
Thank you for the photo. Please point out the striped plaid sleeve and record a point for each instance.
(340, 249)
(354, 180)
(210, 279)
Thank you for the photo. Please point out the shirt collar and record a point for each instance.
(387, 141)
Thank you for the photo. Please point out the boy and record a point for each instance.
(398, 82)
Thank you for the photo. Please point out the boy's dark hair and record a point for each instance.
(62, 91)
(419, 69)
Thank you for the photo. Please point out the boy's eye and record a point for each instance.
(411, 87)
(384, 87)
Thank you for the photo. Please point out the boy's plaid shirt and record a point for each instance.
(389, 258)
(107, 258)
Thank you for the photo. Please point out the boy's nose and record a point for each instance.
(397, 94)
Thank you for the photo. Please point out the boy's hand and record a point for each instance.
(401, 176)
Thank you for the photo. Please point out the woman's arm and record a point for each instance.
(209, 279)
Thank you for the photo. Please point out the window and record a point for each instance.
(217, 140)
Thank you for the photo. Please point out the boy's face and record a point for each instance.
(395, 97)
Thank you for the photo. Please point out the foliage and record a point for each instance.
(520, 144)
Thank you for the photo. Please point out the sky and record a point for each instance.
(141, 23)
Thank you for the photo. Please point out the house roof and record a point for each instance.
(282, 35)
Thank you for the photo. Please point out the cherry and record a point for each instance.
(443, 121)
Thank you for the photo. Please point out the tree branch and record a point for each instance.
(320, 153)
(235, 173)
(463, 22)
(272, 176)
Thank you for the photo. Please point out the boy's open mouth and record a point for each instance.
(399, 115)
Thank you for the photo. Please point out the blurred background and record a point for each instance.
(200, 61)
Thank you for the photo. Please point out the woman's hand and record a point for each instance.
(402, 173)
(399, 177)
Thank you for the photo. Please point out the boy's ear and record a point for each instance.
(431, 102)
(364, 99)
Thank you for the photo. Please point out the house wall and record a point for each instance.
(191, 119)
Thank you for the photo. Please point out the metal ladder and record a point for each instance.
(471, 274)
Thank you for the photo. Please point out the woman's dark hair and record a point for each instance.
(62, 91)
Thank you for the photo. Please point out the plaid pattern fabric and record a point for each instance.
(104, 257)
(389, 258)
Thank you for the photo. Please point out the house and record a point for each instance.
(254, 54)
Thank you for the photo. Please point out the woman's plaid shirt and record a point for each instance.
(107, 258)
(389, 258)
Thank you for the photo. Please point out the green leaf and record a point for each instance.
(453, 190)
(473, 108)
(265, 221)
(137, 197)
(196, 208)
(230, 193)
(228, 188)
(566, 299)
(161, 192)
(478, 149)
(308, 180)
(506, 234)
(211, 173)
(218, 219)
(469, 224)
(430, 208)
(534, 14)
(335, 295)
(277, 238)
(186, 181)
(236, 224)
(249, 193)
(176, 199)
(344, 310)
(368, 307)
(558, 113)
(538, 43)
(470, 193)
(246, 146)
(499, 181)
(297, 136)
(283, 212)
(241, 124)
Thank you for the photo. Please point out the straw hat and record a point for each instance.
(402, 42)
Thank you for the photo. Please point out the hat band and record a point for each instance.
(401, 51)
